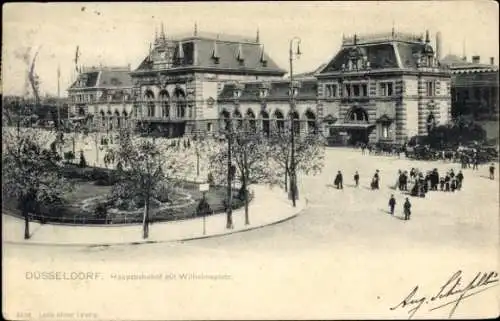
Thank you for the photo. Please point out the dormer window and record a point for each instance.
(215, 53)
(263, 58)
(240, 56)
(294, 91)
(180, 53)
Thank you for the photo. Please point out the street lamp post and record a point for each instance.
(204, 187)
(293, 181)
(229, 135)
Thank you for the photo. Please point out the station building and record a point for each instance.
(177, 85)
(376, 88)
(102, 97)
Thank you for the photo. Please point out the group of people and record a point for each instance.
(406, 207)
(430, 181)
(339, 180)
(375, 184)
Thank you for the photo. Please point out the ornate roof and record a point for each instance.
(211, 52)
(103, 77)
(385, 51)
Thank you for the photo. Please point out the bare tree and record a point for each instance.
(33, 175)
(146, 169)
(250, 156)
(309, 153)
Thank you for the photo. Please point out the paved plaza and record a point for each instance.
(344, 252)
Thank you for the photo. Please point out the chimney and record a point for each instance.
(476, 59)
(438, 46)
(492, 60)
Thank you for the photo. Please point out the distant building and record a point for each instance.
(474, 86)
(102, 96)
(177, 85)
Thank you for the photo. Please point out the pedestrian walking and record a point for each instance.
(492, 171)
(407, 209)
(476, 162)
(375, 180)
(392, 204)
(460, 178)
(356, 178)
(338, 181)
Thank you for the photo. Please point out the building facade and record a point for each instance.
(383, 88)
(102, 96)
(177, 85)
(474, 86)
(379, 88)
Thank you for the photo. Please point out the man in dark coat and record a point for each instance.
(392, 204)
(441, 183)
(476, 162)
(356, 178)
(460, 178)
(405, 180)
(413, 173)
(338, 181)
(375, 181)
(447, 180)
(401, 180)
(492, 171)
(407, 209)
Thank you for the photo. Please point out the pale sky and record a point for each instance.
(120, 33)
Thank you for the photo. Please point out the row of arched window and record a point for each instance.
(278, 118)
(179, 101)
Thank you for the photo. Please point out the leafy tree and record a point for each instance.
(148, 170)
(33, 176)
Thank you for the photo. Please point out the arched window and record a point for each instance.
(117, 119)
(149, 97)
(280, 121)
(239, 119)
(431, 122)
(226, 122)
(252, 124)
(103, 118)
(357, 114)
(296, 122)
(311, 122)
(180, 98)
(110, 123)
(165, 104)
(265, 122)
(136, 110)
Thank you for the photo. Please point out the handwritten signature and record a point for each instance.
(455, 289)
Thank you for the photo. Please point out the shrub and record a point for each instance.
(69, 156)
(101, 210)
(83, 162)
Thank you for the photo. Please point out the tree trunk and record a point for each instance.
(26, 223)
(244, 187)
(145, 223)
(286, 178)
(245, 195)
(197, 164)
